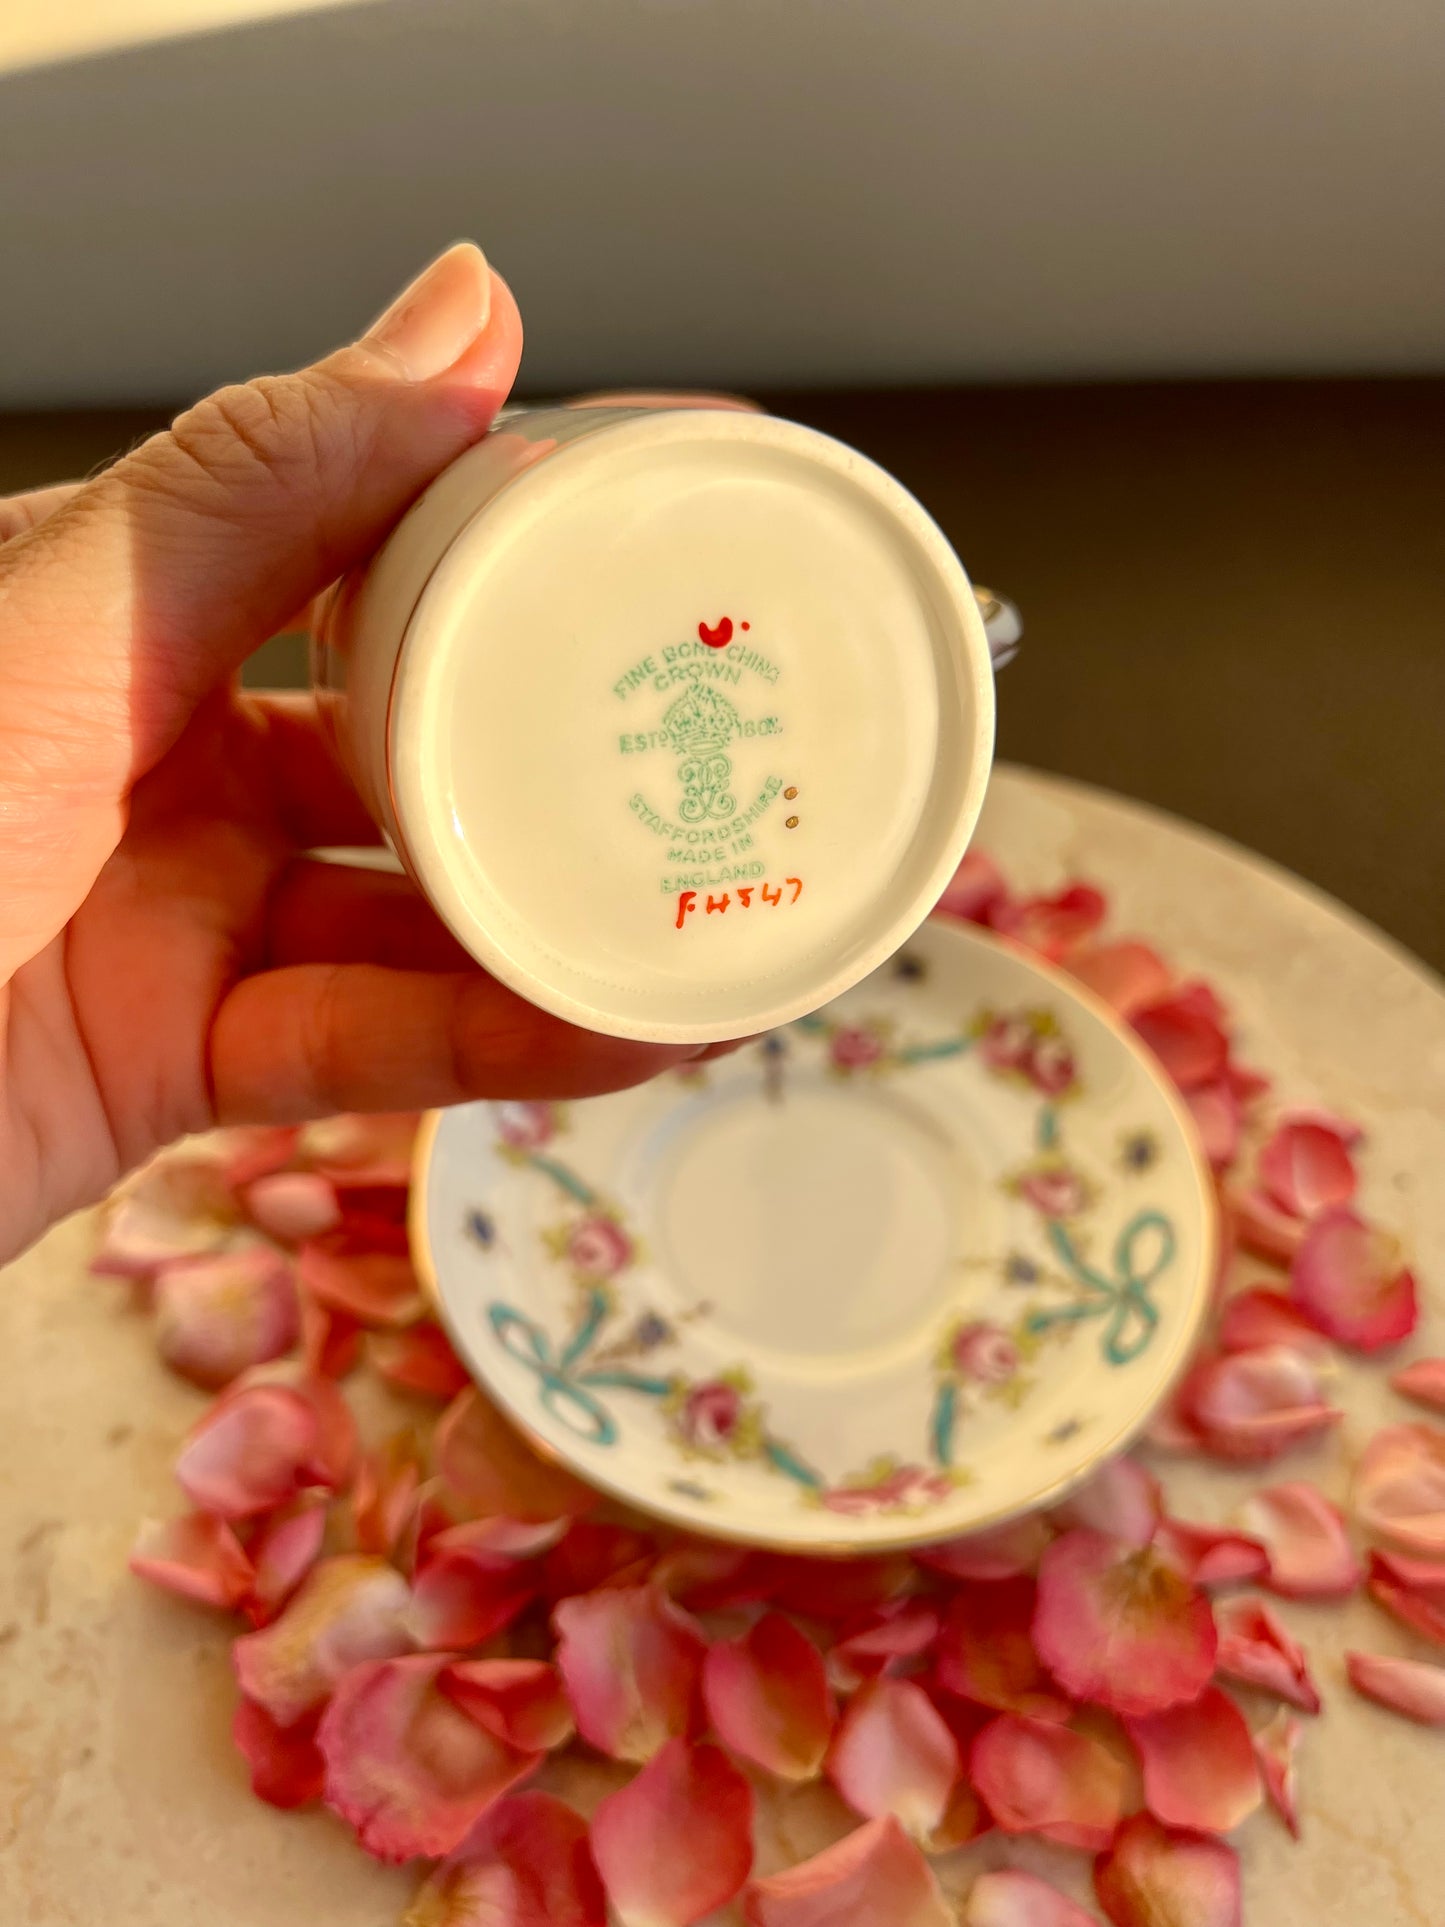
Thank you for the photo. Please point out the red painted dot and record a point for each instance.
(747, 625)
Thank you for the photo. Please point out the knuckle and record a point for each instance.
(323, 1039)
(269, 433)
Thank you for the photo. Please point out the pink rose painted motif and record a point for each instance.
(1007, 1044)
(888, 1488)
(598, 1248)
(855, 1048)
(1054, 1190)
(983, 1352)
(1050, 1067)
(526, 1127)
(710, 1415)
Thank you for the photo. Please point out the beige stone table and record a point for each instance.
(121, 1804)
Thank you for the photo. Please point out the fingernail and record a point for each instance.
(432, 323)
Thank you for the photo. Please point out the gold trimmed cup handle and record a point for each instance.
(1001, 625)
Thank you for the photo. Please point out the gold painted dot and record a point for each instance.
(791, 823)
(791, 793)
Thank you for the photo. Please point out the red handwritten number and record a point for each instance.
(771, 894)
(686, 903)
(797, 883)
(745, 895)
(718, 903)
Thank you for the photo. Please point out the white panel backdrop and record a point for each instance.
(742, 191)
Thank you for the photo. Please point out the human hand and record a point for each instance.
(170, 957)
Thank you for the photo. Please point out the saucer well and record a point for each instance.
(907, 1268)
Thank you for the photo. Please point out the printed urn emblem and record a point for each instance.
(700, 725)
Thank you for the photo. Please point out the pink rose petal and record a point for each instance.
(1307, 1169)
(631, 1662)
(767, 1696)
(592, 1553)
(874, 1877)
(383, 1495)
(1345, 1129)
(1350, 1280)
(1151, 1877)
(253, 1450)
(419, 1359)
(1275, 1745)
(292, 1205)
(283, 1551)
(1423, 1380)
(986, 1652)
(1009, 1897)
(1129, 976)
(1053, 926)
(710, 1578)
(1121, 1500)
(1409, 1686)
(894, 1754)
(1399, 1488)
(180, 1205)
(677, 1842)
(1413, 1590)
(470, 1584)
(330, 1340)
(520, 1701)
(975, 890)
(338, 1445)
(1252, 1406)
(373, 1150)
(1184, 1033)
(1121, 1626)
(1263, 1228)
(875, 1642)
(245, 1152)
(1002, 1552)
(376, 1288)
(489, 1470)
(348, 1610)
(1258, 1317)
(405, 1766)
(1209, 1556)
(1310, 1555)
(219, 1316)
(527, 1863)
(832, 1589)
(197, 1557)
(1256, 1650)
(1037, 1777)
(1199, 1765)
(1215, 1110)
(287, 1769)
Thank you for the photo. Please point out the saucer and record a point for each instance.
(907, 1268)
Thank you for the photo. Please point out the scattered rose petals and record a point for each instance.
(1129, 976)
(592, 1553)
(894, 1754)
(330, 1340)
(287, 1769)
(986, 1651)
(1215, 1110)
(1399, 1488)
(383, 1494)
(1306, 1169)
(1423, 1380)
(1252, 1406)
(1350, 1280)
(1310, 1555)
(464, 1592)
(1009, 1897)
(490, 1470)
(1410, 1686)
(874, 1877)
(1002, 1552)
(518, 1700)
(337, 1442)
(1209, 1556)
(631, 1661)
(419, 1359)
(1121, 1500)
(406, 1766)
(281, 1554)
(1199, 1765)
(292, 1205)
(875, 1642)
(174, 1207)
(373, 1149)
(1263, 1228)
(349, 1609)
(527, 1863)
(767, 1696)
(376, 1288)
(1121, 1626)
(832, 1589)
(1053, 926)
(1256, 1650)
(218, 1316)
(1151, 1877)
(676, 1842)
(1345, 1129)
(710, 1578)
(1037, 1777)
(975, 889)
(1275, 1745)
(1258, 1317)
(1184, 1033)
(1413, 1590)
(197, 1556)
(251, 1451)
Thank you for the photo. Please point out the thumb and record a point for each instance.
(155, 580)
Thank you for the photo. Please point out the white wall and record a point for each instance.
(743, 191)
